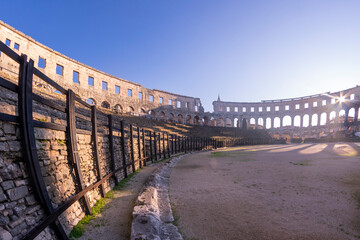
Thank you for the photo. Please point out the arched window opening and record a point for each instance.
(351, 115)
(268, 123)
(332, 117)
(228, 122)
(105, 104)
(323, 118)
(221, 122)
(276, 122)
(252, 123)
(91, 101)
(342, 116)
(213, 122)
(131, 109)
(196, 120)
(306, 120)
(206, 121)
(236, 122)
(118, 108)
(180, 118)
(314, 120)
(152, 114)
(188, 119)
(261, 123)
(287, 121)
(171, 117)
(162, 115)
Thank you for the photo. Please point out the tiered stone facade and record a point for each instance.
(88, 82)
(304, 116)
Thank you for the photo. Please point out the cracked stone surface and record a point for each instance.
(152, 215)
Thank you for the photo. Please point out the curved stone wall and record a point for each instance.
(320, 111)
(299, 115)
(89, 83)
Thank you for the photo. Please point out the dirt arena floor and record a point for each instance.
(304, 191)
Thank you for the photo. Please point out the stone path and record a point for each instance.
(115, 221)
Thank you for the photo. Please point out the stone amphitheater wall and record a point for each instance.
(319, 113)
(120, 102)
(301, 114)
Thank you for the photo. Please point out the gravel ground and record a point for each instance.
(114, 223)
(303, 191)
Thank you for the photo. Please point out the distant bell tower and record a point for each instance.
(219, 98)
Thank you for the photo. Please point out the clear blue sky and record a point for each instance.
(242, 50)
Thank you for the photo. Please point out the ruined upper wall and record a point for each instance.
(121, 100)
(313, 103)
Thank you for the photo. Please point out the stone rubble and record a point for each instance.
(152, 214)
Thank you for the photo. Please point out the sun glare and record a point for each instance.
(342, 99)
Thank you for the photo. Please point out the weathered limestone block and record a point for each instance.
(17, 193)
(4, 147)
(7, 185)
(11, 171)
(14, 146)
(9, 128)
(152, 212)
(5, 235)
(2, 196)
(42, 133)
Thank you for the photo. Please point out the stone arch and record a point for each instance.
(105, 104)
(206, 121)
(297, 121)
(268, 123)
(162, 115)
(342, 116)
(323, 119)
(171, 117)
(252, 123)
(196, 120)
(236, 122)
(228, 122)
(142, 111)
(213, 122)
(91, 101)
(332, 117)
(118, 108)
(306, 120)
(221, 122)
(188, 119)
(131, 109)
(260, 123)
(152, 114)
(286, 121)
(277, 122)
(351, 115)
(314, 119)
(180, 118)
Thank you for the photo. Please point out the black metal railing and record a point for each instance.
(150, 145)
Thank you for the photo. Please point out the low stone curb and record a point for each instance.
(152, 215)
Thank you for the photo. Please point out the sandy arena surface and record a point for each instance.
(305, 191)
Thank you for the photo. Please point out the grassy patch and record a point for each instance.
(239, 156)
(99, 206)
